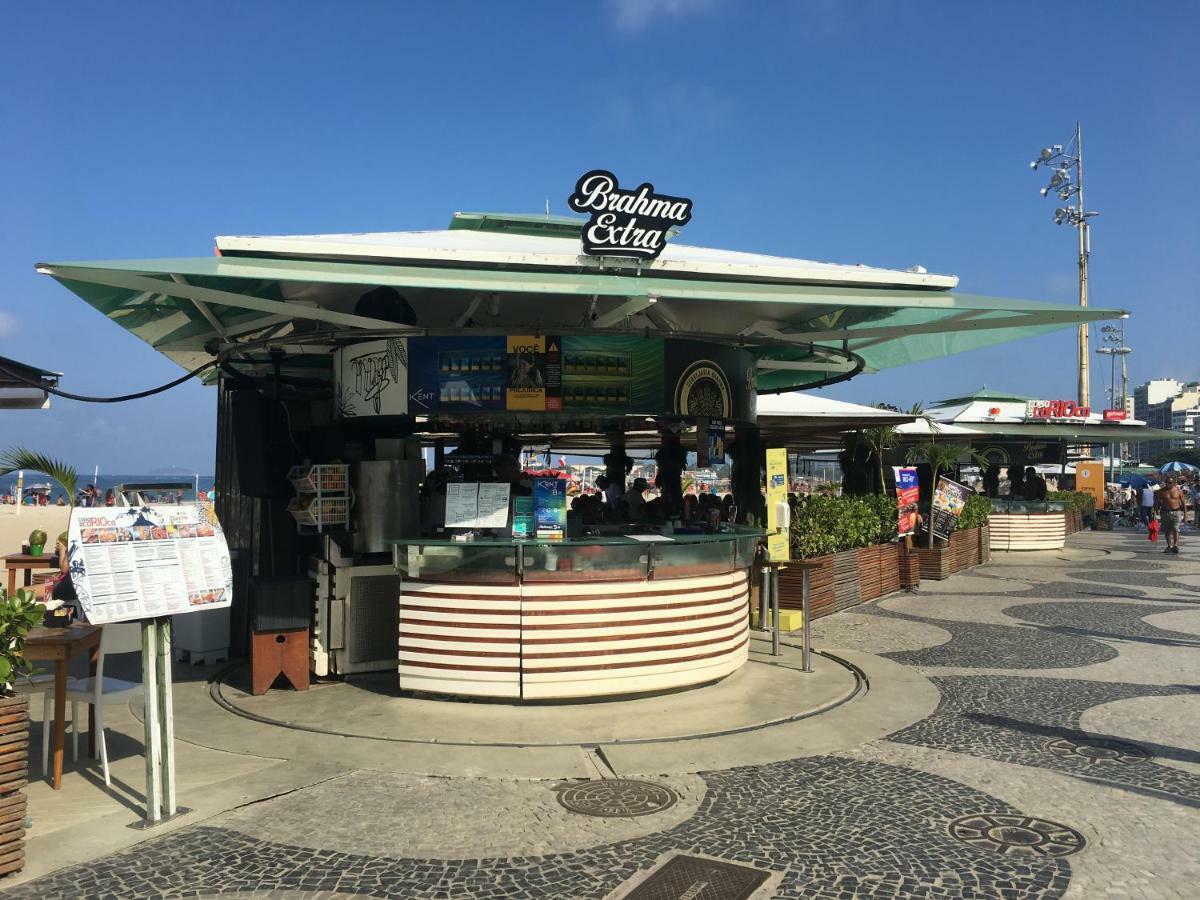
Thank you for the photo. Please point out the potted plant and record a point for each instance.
(37, 542)
(19, 613)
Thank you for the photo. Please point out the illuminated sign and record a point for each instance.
(1115, 415)
(1056, 409)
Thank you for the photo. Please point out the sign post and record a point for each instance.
(778, 538)
(144, 564)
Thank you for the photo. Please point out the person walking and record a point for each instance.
(1147, 504)
(1172, 504)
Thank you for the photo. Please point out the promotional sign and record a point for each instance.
(949, 498)
(623, 222)
(710, 380)
(523, 513)
(372, 378)
(1115, 415)
(1056, 409)
(534, 366)
(779, 518)
(908, 499)
(550, 508)
(141, 562)
(1089, 478)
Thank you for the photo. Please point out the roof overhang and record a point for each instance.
(23, 386)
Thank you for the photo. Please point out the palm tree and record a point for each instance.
(940, 457)
(18, 458)
(884, 437)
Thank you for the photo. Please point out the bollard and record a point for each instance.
(775, 651)
(805, 646)
(764, 591)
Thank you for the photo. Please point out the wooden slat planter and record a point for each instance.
(821, 594)
(937, 562)
(846, 581)
(14, 771)
(985, 544)
(910, 568)
(889, 568)
(868, 573)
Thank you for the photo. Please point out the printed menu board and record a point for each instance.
(471, 504)
(948, 501)
(140, 562)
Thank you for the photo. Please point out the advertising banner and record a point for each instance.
(550, 503)
(949, 498)
(779, 517)
(130, 563)
(908, 498)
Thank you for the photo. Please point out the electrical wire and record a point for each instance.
(120, 399)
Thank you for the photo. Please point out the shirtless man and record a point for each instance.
(1172, 503)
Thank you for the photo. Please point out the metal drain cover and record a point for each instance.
(1098, 750)
(1017, 834)
(697, 878)
(620, 797)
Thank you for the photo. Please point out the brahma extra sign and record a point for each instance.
(1056, 409)
(624, 222)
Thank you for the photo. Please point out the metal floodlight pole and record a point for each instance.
(1085, 389)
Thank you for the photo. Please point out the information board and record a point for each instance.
(140, 562)
(778, 512)
(473, 504)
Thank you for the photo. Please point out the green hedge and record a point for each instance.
(824, 524)
(975, 512)
(1079, 500)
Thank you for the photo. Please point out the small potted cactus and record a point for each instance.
(37, 542)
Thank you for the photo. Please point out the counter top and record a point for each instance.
(738, 532)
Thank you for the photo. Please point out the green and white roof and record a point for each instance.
(808, 322)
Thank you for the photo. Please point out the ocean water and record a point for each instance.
(8, 483)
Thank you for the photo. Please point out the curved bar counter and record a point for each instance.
(599, 617)
(1028, 524)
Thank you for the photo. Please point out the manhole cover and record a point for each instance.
(1017, 834)
(616, 797)
(697, 878)
(1097, 750)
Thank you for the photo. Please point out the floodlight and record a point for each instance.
(1047, 154)
(1044, 191)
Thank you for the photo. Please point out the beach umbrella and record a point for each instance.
(1176, 466)
(1137, 482)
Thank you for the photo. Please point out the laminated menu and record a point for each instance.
(140, 562)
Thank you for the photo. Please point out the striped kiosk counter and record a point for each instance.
(1028, 524)
(592, 618)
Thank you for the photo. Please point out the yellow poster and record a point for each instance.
(778, 512)
(526, 373)
(1089, 478)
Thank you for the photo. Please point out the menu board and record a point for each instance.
(140, 562)
(472, 504)
(948, 501)
(908, 497)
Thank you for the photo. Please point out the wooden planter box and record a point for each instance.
(14, 770)
(889, 569)
(869, 583)
(985, 544)
(910, 568)
(821, 594)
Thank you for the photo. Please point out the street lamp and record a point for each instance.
(1114, 340)
(1060, 160)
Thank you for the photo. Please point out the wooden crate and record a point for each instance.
(889, 569)
(14, 771)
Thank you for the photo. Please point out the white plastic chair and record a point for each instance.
(97, 691)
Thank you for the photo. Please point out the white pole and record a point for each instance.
(153, 734)
(20, 489)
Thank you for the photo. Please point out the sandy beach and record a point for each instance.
(14, 528)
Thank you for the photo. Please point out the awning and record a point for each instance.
(802, 333)
(1073, 434)
(23, 386)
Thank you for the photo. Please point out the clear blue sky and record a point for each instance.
(888, 133)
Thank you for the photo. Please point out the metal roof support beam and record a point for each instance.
(1020, 320)
(135, 282)
(962, 317)
(204, 310)
(630, 307)
(789, 365)
(469, 313)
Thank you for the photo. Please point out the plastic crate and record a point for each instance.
(320, 511)
(333, 478)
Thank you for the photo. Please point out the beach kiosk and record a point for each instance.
(374, 390)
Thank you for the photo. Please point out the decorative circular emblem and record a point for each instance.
(703, 390)
(619, 797)
(1097, 750)
(1015, 833)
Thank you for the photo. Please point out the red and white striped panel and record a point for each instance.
(598, 639)
(1028, 531)
(460, 638)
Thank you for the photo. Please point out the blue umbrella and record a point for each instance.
(1177, 466)
(1137, 482)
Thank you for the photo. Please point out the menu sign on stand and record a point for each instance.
(147, 563)
(948, 501)
(550, 508)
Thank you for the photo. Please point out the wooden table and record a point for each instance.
(61, 645)
(25, 561)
